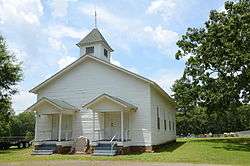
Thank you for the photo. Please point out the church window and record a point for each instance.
(105, 53)
(89, 50)
(158, 118)
(165, 122)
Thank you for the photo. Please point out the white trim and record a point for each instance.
(60, 127)
(93, 132)
(36, 127)
(97, 99)
(122, 132)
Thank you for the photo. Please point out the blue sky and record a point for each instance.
(143, 34)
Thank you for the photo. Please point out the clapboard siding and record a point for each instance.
(90, 79)
(161, 135)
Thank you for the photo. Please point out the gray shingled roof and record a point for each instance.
(93, 37)
(59, 103)
(62, 104)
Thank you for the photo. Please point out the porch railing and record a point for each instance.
(44, 135)
(67, 135)
(47, 135)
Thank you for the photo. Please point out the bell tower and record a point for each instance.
(94, 44)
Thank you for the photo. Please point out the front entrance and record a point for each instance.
(54, 127)
(112, 125)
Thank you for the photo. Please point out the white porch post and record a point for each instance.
(60, 127)
(36, 127)
(93, 132)
(122, 136)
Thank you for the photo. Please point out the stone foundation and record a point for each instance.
(142, 149)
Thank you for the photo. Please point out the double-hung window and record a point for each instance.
(158, 118)
(165, 122)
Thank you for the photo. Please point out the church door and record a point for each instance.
(112, 124)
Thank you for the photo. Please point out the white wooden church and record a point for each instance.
(105, 103)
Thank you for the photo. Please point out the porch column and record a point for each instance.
(36, 127)
(93, 132)
(60, 127)
(122, 137)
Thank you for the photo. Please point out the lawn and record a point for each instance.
(233, 151)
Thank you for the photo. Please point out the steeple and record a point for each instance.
(95, 44)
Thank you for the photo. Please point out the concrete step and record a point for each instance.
(105, 148)
(47, 147)
(42, 152)
(104, 153)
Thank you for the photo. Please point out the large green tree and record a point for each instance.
(10, 75)
(217, 73)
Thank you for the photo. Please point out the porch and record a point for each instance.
(54, 122)
(111, 120)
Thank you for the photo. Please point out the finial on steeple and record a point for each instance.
(95, 19)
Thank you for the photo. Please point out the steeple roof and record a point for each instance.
(94, 36)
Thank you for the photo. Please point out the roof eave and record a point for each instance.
(105, 44)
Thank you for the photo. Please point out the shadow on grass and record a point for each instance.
(169, 147)
(10, 150)
(230, 144)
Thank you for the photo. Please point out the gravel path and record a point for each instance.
(95, 163)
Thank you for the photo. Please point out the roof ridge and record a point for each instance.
(92, 37)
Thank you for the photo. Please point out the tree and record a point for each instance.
(217, 73)
(10, 75)
(23, 124)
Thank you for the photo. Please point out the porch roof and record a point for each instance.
(117, 100)
(60, 104)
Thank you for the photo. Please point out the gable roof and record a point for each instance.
(84, 58)
(112, 98)
(60, 104)
(93, 37)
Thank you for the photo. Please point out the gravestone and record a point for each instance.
(81, 145)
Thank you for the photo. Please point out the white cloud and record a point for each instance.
(133, 30)
(166, 8)
(65, 61)
(104, 15)
(164, 38)
(25, 11)
(60, 8)
(58, 32)
(55, 44)
(115, 62)
(20, 54)
(23, 100)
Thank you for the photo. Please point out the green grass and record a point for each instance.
(233, 151)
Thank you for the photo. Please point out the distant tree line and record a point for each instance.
(213, 95)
